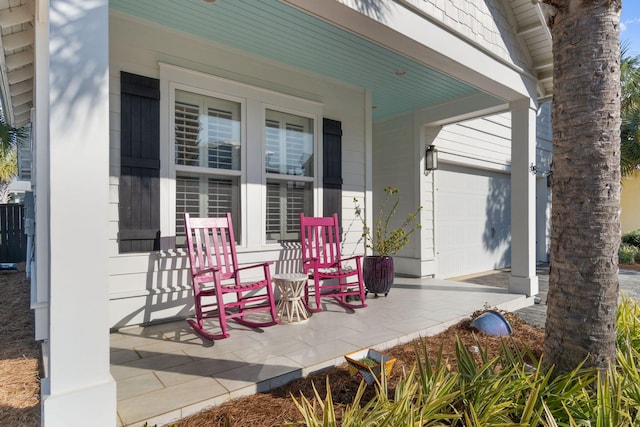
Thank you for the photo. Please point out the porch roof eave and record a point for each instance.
(16, 61)
(17, 58)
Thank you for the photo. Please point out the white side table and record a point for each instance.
(291, 286)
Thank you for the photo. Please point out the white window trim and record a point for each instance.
(317, 165)
(250, 97)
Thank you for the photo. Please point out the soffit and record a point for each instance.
(16, 61)
(279, 32)
(282, 33)
(532, 29)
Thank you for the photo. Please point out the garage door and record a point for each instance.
(472, 220)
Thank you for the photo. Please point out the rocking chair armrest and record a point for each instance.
(206, 271)
(337, 263)
(351, 257)
(310, 260)
(262, 264)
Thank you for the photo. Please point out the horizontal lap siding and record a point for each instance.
(487, 139)
(486, 22)
(137, 279)
(396, 161)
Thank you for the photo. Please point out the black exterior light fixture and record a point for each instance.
(430, 159)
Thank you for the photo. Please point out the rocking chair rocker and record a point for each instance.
(322, 261)
(215, 274)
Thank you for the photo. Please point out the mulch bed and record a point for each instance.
(20, 365)
(276, 407)
(635, 266)
(19, 353)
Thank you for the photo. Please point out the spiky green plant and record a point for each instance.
(511, 389)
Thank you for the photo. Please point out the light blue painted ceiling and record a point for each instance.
(279, 32)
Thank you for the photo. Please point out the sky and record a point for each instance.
(630, 25)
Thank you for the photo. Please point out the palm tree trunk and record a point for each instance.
(585, 224)
(4, 192)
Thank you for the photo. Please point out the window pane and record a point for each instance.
(285, 201)
(207, 131)
(205, 196)
(273, 211)
(289, 144)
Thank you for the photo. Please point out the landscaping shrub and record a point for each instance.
(632, 238)
(628, 253)
(502, 391)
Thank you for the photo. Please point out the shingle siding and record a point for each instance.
(485, 22)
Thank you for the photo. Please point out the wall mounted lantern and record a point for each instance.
(431, 159)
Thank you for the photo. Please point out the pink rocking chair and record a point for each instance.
(322, 261)
(215, 274)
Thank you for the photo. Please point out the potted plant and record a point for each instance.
(385, 241)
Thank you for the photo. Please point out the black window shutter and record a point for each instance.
(332, 168)
(139, 190)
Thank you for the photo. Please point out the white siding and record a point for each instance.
(487, 23)
(472, 196)
(478, 150)
(486, 139)
(148, 287)
(397, 163)
(543, 190)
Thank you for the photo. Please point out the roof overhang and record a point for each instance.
(531, 18)
(16, 60)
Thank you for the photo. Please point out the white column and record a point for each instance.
(523, 198)
(79, 389)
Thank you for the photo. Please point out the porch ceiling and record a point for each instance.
(287, 35)
(279, 32)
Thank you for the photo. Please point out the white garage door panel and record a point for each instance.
(473, 220)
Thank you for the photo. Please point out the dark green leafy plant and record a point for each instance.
(627, 253)
(632, 238)
(630, 112)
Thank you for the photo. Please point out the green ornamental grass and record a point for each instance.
(503, 391)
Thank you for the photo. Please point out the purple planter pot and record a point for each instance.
(378, 274)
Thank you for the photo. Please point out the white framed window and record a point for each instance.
(208, 151)
(233, 147)
(289, 165)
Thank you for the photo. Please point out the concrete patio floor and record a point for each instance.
(165, 372)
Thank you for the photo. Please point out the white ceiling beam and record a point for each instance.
(545, 75)
(22, 119)
(22, 87)
(531, 28)
(20, 59)
(15, 16)
(20, 75)
(23, 98)
(17, 40)
(544, 65)
(21, 109)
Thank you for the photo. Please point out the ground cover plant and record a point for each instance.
(629, 252)
(460, 377)
(505, 390)
(470, 358)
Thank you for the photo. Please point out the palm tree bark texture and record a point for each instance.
(585, 224)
